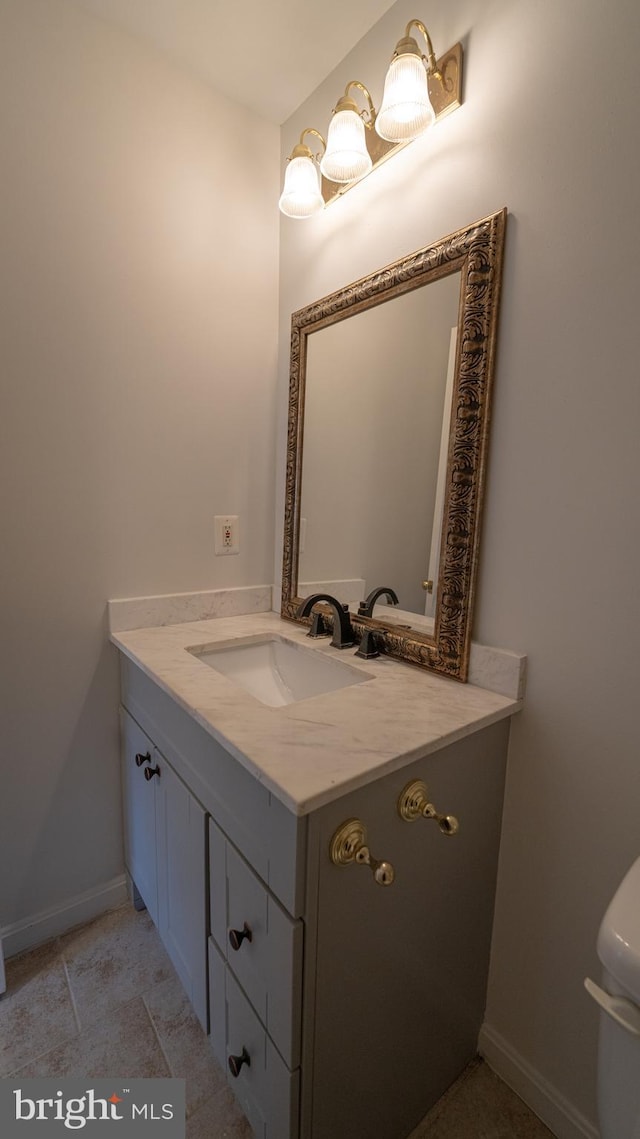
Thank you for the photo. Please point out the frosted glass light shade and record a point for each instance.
(346, 157)
(301, 197)
(406, 109)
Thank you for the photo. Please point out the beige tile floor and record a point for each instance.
(104, 1000)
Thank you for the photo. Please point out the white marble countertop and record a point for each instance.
(313, 751)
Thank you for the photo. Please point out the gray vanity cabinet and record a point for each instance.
(337, 1007)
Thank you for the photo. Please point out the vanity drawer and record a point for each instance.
(266, 1090)
(267, 958)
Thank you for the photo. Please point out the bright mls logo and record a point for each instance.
(133, 1108)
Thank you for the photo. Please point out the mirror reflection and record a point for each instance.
(376, 434)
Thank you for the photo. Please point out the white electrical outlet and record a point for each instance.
(227, 534)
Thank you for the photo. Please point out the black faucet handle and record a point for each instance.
(368, 647)
(318, 626)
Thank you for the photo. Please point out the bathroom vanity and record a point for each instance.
(322, 871)
(332, 936)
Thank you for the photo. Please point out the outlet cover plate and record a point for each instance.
(226, 534)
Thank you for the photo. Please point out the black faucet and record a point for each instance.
(365, 608)
(342, 632)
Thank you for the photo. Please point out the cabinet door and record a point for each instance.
(180, 826)
(139, 812)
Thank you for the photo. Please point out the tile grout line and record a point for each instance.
(155, 1031)
(71, 993)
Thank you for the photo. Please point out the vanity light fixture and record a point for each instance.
(301, 196)
(346, 157)
(406, 110)
(418, 90)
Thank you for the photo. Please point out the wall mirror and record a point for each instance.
(389, 399)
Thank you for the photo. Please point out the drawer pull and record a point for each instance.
(237, 936)
(349, 844)
(236, 1062)
(414, 804)
(149, 772)
(140, 758)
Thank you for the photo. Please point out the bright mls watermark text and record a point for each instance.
(116, 1109)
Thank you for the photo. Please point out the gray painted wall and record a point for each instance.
(543, 132)
(139, 241)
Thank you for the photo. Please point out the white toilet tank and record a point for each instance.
(619, 1000)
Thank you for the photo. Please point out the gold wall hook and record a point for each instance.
(349, 844)
(414, 803)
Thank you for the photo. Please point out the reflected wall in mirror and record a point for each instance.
(375, 398)
(388, 414)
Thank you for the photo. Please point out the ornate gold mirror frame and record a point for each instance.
(476, 252)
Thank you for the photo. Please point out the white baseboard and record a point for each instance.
(35, 930)
(560, 1116)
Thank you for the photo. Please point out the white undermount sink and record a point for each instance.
(277, 671)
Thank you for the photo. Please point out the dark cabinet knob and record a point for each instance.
(236, 1062)
(149, 772)
(237, 936)
(140, 758)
